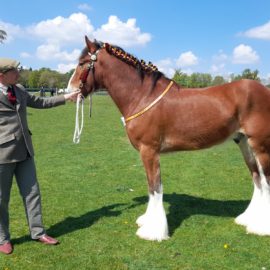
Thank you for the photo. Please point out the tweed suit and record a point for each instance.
(16, 158)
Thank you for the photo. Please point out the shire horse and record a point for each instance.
(161, 117)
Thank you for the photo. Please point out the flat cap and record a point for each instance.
(7, 64)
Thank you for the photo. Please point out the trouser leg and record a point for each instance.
(6, 175)
(29, 189)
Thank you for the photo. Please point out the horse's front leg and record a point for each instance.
(153, 224)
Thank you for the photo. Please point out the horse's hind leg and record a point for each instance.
(153, 224)
(256, 217)
(251, 163)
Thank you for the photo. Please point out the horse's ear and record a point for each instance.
(90, 45)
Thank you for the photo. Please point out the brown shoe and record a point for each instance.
(46, 239)
(6, 248)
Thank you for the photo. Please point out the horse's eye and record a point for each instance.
(81, 64)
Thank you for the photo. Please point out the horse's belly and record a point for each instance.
(193, 140)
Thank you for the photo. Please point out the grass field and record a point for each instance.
(93, 192)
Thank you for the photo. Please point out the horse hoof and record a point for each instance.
(149, 233)
(255, 224)
(241, 220)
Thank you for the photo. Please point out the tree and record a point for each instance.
(24, 77)
(181, 78)
(247, 74)
(44, 77)
(63, 79)
(48, 78)
(252, 75)
(3, 36)
(218, 80)
(205, 79)
(200, 80)
(195, 80)
(33, 80)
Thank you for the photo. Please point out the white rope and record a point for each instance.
(78, 129)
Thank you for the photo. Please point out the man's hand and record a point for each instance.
(72, 96)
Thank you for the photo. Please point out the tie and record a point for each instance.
(11, 95)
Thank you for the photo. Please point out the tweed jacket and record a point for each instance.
(15, 136)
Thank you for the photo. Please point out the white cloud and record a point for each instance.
(122, 33)
(259, 32)
(49, 51)
(219, 62)
(63, 68)
(69, 30)
(169, 66)
(11, 30)
(84, 7)
(59, 38)
(217, 68)
(220, 57)
(187, 59)
(58, 33)
(62, 30)
(166, 67)
(25, 55)
(244, 54)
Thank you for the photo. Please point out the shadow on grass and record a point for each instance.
(182, 206)
(71, 224)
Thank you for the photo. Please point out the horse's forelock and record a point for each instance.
(83, 53)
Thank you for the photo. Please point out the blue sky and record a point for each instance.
(218, 37)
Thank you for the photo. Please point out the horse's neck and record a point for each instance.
(127, 91)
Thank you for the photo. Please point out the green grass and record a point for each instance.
(89, 206)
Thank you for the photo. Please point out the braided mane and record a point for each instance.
(129, 59)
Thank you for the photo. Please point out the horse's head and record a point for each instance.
(83, 77)
(89, 74)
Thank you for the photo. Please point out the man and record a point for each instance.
(16, 152)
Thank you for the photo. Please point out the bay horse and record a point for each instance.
(161, 117)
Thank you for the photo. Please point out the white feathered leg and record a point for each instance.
(153, 224)
(256, 218)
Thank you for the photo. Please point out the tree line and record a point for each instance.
(45, 78)
(48, 78)
(200, 80)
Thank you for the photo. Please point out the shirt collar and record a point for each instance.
(3, 88)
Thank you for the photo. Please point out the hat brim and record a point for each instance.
(7, 68)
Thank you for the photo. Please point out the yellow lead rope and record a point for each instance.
(125, 120)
